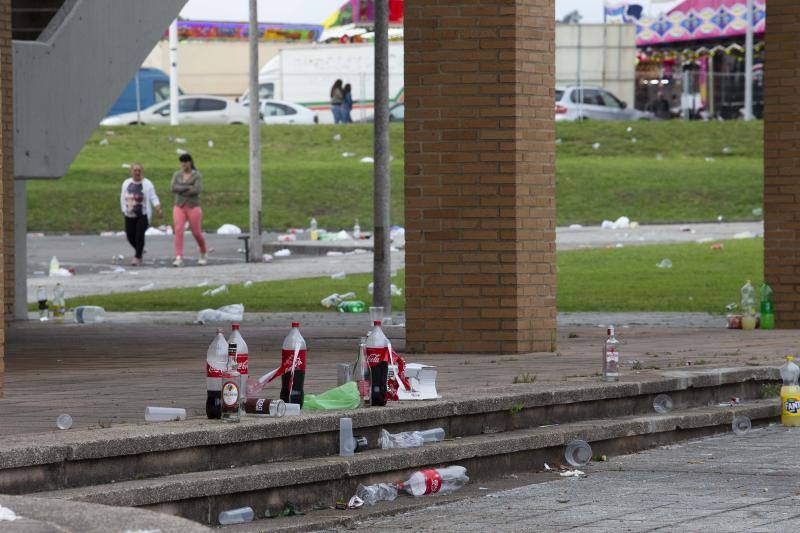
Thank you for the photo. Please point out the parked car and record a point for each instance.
(153, 88)
(192, 109)
(279, 112)
(598, 104)
(397, 113)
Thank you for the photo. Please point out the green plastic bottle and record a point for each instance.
(352, 306)
(767, 308)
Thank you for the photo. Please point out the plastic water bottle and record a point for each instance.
(748, 306)
(313, 229)
(88, 314)
(790, 393)
(410, 439)
(356, 230)
(241, 357)
(372, 494)
(294, 371)
(436, 481)
(236, 516)
(216, 358)
(378, 359)
(59, 304)
(41, 297)
(767, 307)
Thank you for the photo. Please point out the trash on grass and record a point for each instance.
(203, 283)
(659, 157)
(339, 275)
(710, 159)
(229, 229)
(633, 140)
(283, 252)
(353, 306)
(717, 246)
(745, 235)
(287, 238)
(559, 141)
(596, 146)
(210, 143)
(757, 212)
(367, 160)
(578, 453)
(662, 404)
(726, 150)
(64, 421)
(147, 287)
(372, 494)
(226, 313)
(409, 439)
(180, 151)
(354, 503)
(126, 165)
(337, 137)
(348, 154)
(179, 140)
(247, 284)
(664, 263)
(103, 142)
(214, 292)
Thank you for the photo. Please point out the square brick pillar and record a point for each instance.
(782, 160)
(6, 178)
(479, 176)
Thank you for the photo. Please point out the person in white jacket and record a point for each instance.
(137, 201)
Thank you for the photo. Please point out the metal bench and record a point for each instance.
(246, 238)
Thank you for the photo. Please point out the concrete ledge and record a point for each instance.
(42, 515)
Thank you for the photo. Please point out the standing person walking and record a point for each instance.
(347, 104)
(337, 98)
(137, 200)
(187, 184)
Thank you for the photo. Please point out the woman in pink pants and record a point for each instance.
(187, 183)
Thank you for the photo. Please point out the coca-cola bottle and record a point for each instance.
(294, 367)
(241, 357)
(215, 366)
(378, 359)
(435, 480)
(362, 374)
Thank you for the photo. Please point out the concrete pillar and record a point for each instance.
(21, 249)
(782, 161)
(479, 176)
(6, 177)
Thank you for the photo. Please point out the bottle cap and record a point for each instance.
(789, 358)
(295, 324)
(376, 323)
(234, 326)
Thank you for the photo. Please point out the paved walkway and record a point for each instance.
(720, 484)
(109, 372)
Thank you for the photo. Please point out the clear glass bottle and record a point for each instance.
(611, 357)
(41, 297)
(231, 388)
(362, 374)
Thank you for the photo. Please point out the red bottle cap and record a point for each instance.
(295, 324)
(234, 326)
(377, 323)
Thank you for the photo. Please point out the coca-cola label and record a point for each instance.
(377, 355)
(241, 363)
(230, 393)
(433, 481)
(286, 360)
(213, 372)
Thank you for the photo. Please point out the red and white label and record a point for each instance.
(213, 372)
(286, 361)
(377, 355)
(433, 481)
(612, 355)
(363, 388)
(241, 363)
(230, 393)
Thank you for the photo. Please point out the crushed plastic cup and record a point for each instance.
(339, 276)
(164, 414)
(347, 444)
(236, 516)
(292, 409)
(64, 421)
(375, 313)
(578, 453)
(664, 263)
(741, 425)
(662, 404)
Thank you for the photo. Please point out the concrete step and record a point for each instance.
(319, 481)
(62, 460)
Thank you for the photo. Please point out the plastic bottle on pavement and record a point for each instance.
(216, 358)
(790, 393)
(435, 480)
(89, 314)
(748, 306)
(767, 307)
(372, 494)
(410, 439)
(236, 516)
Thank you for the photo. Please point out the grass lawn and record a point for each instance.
(619, 279)
(305, 175)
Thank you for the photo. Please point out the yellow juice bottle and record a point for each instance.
(790, 393)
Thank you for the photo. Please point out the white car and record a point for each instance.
(280, 112)
(192, 109)
(598, 104)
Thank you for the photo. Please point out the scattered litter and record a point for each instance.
(394, 249)
(287, 238)
(89, 314)
(596, 146)
(629, 129)
(126, 165)
(741, 426)
(633, 140)
(562, 500)
(222, 289)
(578, 453)
(283, 252)
(422, 482)
(236, 516)
(337, 137)
(229, 229)
(64, 421)
(635, 225)
(622, 222)
(355, 503)
(361, 251)
(726, 150)
(745, 235)
(103, 142)
(573, 473)
(348, 154)
(117, 259)
(665, 263)
(662, 404)
(210, 143)
(619, 245)
(409, 439)
(558, 141)
(119, 270)
(154, 231)
(180, 151)
(607, 224)
(687, 229)
(720, 218)
(164, 414)
(147, 287)
(111, 132)
(266, 258)
(247, 284)
(180, 140)
(717, 246)
(7, 515)
(339, 275)
(483, 488)
(333, 253)
(395, 290)
(56, 271)
(372, 494)
(547, 467)
(203, 283)
(735, 400)
(659, 157)
(710, 159)
(367, 160)
(226, 313)
(575, 226)
(335, 299)
(757, 212)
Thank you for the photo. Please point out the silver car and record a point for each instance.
(598, 104)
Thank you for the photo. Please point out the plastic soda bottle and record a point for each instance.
(41, 297)
(313, 230)
(241, 357)
(611, 357)
(767, 307)
(748, 306)
(790, 393)
(216, 361)
(294, 370)
(59, 304)
(362, 375)
(378, 359)
(435, 480)
(352, 306)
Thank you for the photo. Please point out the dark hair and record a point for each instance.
(187, 157)
(336, 85)
(347, 88)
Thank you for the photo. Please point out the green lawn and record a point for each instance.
(619, 279)
(305, 175)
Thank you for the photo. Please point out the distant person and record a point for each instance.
(137, 201)
(337, 99)
(187, 184)
(347, 104)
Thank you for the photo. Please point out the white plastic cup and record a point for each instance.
(433, 435)
(347, 444)
(164, 414)
(64, 421)
(375, 313)
(578, 453)
(662, 404)
(236, 516)
(292, 409)
(741, 425)
(88, 314)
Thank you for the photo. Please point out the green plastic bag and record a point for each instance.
(343, 397)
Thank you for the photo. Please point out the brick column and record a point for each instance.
(6, 178)
(479, 176)
(782, 161)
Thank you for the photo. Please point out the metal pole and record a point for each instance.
(748, 63)
(381, 269)
(579, 76)
(173, 73)
(138, 100)
(256, 250)
(685, 94)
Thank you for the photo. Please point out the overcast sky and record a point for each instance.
(315, 11)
